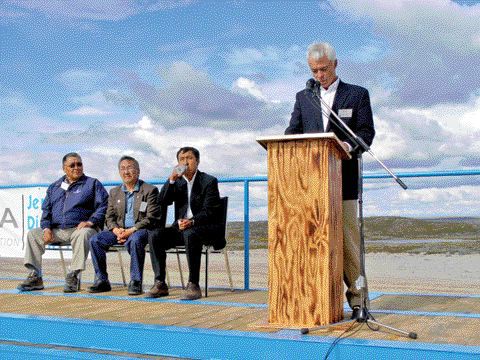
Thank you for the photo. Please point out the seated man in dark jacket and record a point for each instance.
(197, 208)
(73, 211)
(132, 211)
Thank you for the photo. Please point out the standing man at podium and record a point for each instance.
(352, 105)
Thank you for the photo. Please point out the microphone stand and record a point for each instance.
(364, 314)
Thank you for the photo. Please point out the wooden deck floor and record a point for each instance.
(437, 319)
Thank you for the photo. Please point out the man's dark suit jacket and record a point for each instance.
(147, 219)
(204, 202)
(307, 118)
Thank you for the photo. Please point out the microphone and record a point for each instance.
(314, 86)
(310, 84)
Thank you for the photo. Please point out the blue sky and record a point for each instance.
(107, 78)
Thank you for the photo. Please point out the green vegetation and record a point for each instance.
(408, 228)
(382, 233)
(440, 247)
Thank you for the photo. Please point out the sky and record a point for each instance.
(143, 78)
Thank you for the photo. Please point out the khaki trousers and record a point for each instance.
(351, 254)
(78, 238)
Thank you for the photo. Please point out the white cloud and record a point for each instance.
(432, 52)
(459, 118)
(367, 53)
(112, 10)
(244, 85)
(81, 80)
(87, 111)
(19, 116)
(192, 109)
(101, 144)
(283, 62)
(190, 98)
(388, 199)
(21, 167)
(441, 24)
(97, 103)
(443, 136)
(182, 73)
(247, 56)
(145, 123)
(381, 92)
(223, 154)
(457, 197)
(97, 98)
(283, 89)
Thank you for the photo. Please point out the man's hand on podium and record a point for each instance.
(348, 148)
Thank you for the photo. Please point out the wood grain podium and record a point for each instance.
(305, 229)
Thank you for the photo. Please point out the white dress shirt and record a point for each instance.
(189, 189)
(328, 95)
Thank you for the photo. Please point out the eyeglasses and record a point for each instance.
(77, 164)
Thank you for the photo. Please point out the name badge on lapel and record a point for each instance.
(143, 206)
(345, 113)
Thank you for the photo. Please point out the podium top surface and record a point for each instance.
(264, 140)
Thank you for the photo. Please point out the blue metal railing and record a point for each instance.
(246, 198)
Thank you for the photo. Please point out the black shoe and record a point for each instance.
(72, 283)
(100, 286)
(135, 287)
(158, 289)
(33, 282)
(359, 314)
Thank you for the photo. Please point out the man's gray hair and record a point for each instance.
(129, 158)
(318, 50)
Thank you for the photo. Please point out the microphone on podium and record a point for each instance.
(311, 84)
(314, 86)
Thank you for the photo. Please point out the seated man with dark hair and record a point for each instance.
(72, 212)
(197, 214)
(132, 211)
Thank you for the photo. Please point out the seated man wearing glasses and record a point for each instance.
(132, 211)
(73, 211)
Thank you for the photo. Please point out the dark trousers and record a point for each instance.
(135, 245)
(192, 238)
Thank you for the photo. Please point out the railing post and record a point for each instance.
(246, 235)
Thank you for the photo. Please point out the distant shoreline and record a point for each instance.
(391, 235)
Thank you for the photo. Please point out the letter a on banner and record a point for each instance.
(8, 218)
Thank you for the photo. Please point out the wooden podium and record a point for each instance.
(305, 229)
